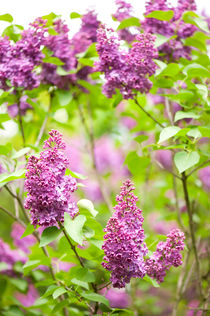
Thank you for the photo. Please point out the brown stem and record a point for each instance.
(192, 231)
(71, 245)
(107, 284)
(80, 261)
(90, 134)
(148, 114)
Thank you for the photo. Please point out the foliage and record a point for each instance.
(130, 105)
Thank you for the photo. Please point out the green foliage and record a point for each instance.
(161, 15)
(49, 235)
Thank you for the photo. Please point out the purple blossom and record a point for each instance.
(173, 49)
(124, 12)
(204, 175)
(60, 45)
(9, 257)
(49, 190)
(166, 255)
(18, 61)
(29, 298)
(90, 24)
(124, 245)
(22, 243)
(118, 298)
(126, 71)
(164, 158)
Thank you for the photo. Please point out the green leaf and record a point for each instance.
(74, 227)
(194, 132)
(136, 163)
(4, 118)
(21, 153)
(28, 231)
(30, 265)
(129, 22)
(80, 283)
(20, 284)
(182, 115)
(82, 274)
(161, 15)
(192, 18)
(95, 298)
(184, 160)
(205, 131)
(168, 132)
(49, 290)
(49, 235)
(62, 72)
(88, 205)
(19, 174)
(141, 138)
(75, 174)
(196, 70)
(86, 62)
(151, 281)
(64, 97)
(75, 15)
(170, 71)
(53, 60)
(160, 39)
(6, 17)
(58, 292)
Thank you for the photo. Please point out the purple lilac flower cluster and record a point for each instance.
(166, 255)
(126, 71)
(124, 12)
(18, 61)
(60, 46)
(49, 190)
(173, 49)
(124, 245)
(9, 257)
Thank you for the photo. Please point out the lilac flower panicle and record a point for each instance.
(49, 190)
(18, 61)
(124, 245)
(126, 71)
(166, 255)
(90, 24)
(60, 45)
(175, 48)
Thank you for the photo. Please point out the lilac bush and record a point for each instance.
(79, 114)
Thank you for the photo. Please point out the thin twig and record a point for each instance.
(71, 245)
(107, 284)
(148, 114)
(41, 132)
(20, 120)
(179, 219)
(12, 216)
(92, 150)
(80, 261)
(198, 167)
(192, 232)
(180, 284)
